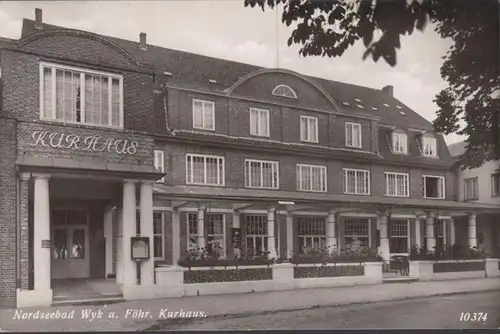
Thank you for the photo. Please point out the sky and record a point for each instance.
(226, 29)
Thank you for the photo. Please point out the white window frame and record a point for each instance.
(162, 235)
(432, 141)
(322, 176)
(206, 221)
(443, 186)
(274, 170)
(358, 235)
(321, 238)
(257, 112)
(397, 187)
(399, 142)
(190, 235)
(356, 171)
(286, 94)
(307, 136)
(474, 180)
(264, 237)
(407, 236)
(82, 72)
(350, 141)
(495, 185)
(204, 113)
(220, 169)
(159, 163)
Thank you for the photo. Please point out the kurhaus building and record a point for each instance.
(104, 139)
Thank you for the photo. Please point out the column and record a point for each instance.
(237, 251)
(429, 225)
(331, 238)
(129, 222)
(271, 245)
(384, 236)
(452, 231)
(418, 235)
(146, 212)
(108, 237)
(24, 237)
(472, 230)
(119, 245)
(41, 232)
(289, 235)
(176, 237)
(201, 227)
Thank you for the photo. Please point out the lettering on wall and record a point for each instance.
(87, 143)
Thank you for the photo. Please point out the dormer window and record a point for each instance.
(285, 91)
(399, 142)
(429, 146)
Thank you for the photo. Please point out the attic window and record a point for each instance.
(168, 74)
(360, 106)
(346, 103)
(386, 105)
(375, 108)
(212, 81)
(399, 107)
(399, 142)
(402, 113)
(429, 146)
(285, 91)
(357, 100)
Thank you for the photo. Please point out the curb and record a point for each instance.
(160, 324)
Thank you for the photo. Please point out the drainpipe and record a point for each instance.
(18, 232)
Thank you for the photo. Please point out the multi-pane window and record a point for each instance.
(429, 146)
(311, 178)
(259, 122)
(215, 235)
(353, 135)
(79, 96)
(192, 230)
(311, 233)
(256, 234)
(356, 181)
(398, 236)
(158, 243)
(434, 186)
(261, 174)
(399, 142)
(495, 185)
(160, 163)
(396, 184)
(471, 188)
(203, 115)
(356, 233)
(309, 129)
(204, 169)
(285, 91)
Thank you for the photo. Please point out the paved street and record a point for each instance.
(423, 313)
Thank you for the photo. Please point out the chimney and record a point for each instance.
(142, 41)
(38, 18)
(389, 90)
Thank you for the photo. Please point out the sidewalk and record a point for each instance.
(219, 305)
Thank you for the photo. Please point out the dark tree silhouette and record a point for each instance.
(470, 67)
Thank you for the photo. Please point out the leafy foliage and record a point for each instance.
(455, 252)
(470, 67)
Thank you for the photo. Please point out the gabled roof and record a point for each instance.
(194, 71)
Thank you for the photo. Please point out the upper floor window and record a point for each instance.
(285, 91)
(261, 174)
(471, 189)
(204, 169)
(429, 146)
(160, 163)
(311, 178)
(495, 184)
(396, 184)
(399, 142)
(353, 135)
(434, 186)
(203, 115)
(259, 122)
(309, 129)
(356, 181)
(74, 95)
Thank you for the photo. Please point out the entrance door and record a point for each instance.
(70, 254)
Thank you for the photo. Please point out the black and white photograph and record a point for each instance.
(208, 165)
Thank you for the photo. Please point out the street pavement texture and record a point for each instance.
(423, 313)
(160, 313)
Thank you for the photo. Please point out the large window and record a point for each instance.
(311, 234)
(256, 235)
(471, 189)
(309, 129)
(160, 163)
(356, 181)
(311, 178)
(434, 187)
(398, 236)
(204, 169)
(215, 235)
(158, 232)
(495, 185)
(192, 231)
(429, 146)
(259, 122)
(399, 142)
(203, 115)
(261, 174)
(396, 184)
(353, 135)
(356, 233)
(74, 95)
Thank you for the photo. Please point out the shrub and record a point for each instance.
(455, 252)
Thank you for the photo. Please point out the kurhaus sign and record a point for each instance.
(87, 143)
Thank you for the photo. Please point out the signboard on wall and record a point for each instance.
(139, 248)
(46, 244)
(236, 237)
(83, 143)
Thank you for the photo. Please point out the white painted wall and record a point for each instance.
(484, 176)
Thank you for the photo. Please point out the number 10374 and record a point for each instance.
(477, 317)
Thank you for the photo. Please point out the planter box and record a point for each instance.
(492, 267)
(447, 269)
(231, 274)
